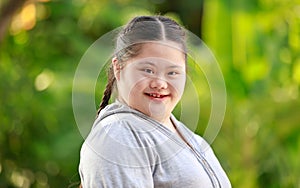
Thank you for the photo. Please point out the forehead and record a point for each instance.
(168, 51)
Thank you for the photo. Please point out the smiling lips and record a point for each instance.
(156, 95)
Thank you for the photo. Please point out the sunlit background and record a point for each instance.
(257, 44)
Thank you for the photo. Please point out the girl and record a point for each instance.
(136, 141)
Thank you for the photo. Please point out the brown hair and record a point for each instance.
(141, 29)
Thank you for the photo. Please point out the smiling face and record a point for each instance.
(153, 81)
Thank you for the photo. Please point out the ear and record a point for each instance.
(116, 67)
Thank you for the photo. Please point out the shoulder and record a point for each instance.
(123, 128)
(213, 161)
(202, 143)
(119, 139)
(115, 154)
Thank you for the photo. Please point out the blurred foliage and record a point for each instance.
(256, 43)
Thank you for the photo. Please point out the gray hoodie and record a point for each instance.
(126, 148)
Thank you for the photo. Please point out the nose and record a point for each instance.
(158, 83)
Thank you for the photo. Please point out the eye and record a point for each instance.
(173, 73)
(148, 71)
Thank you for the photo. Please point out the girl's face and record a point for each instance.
(153, 81)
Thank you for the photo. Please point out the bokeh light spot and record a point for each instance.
(44, 80)
(26, 20)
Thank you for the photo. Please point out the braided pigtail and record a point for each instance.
(108, 89)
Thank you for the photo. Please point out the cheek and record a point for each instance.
(130, 76)
(178, 85)
(135, 87)
(136, 96)
(127, 80)
(140, 86)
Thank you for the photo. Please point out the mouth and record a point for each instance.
(156, 95)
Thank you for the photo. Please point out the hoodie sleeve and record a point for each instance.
(116, 155)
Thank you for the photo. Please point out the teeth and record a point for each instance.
(155, 95)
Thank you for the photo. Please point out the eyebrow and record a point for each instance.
(148, 62)
(153, 64)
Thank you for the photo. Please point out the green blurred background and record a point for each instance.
(256, 42)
